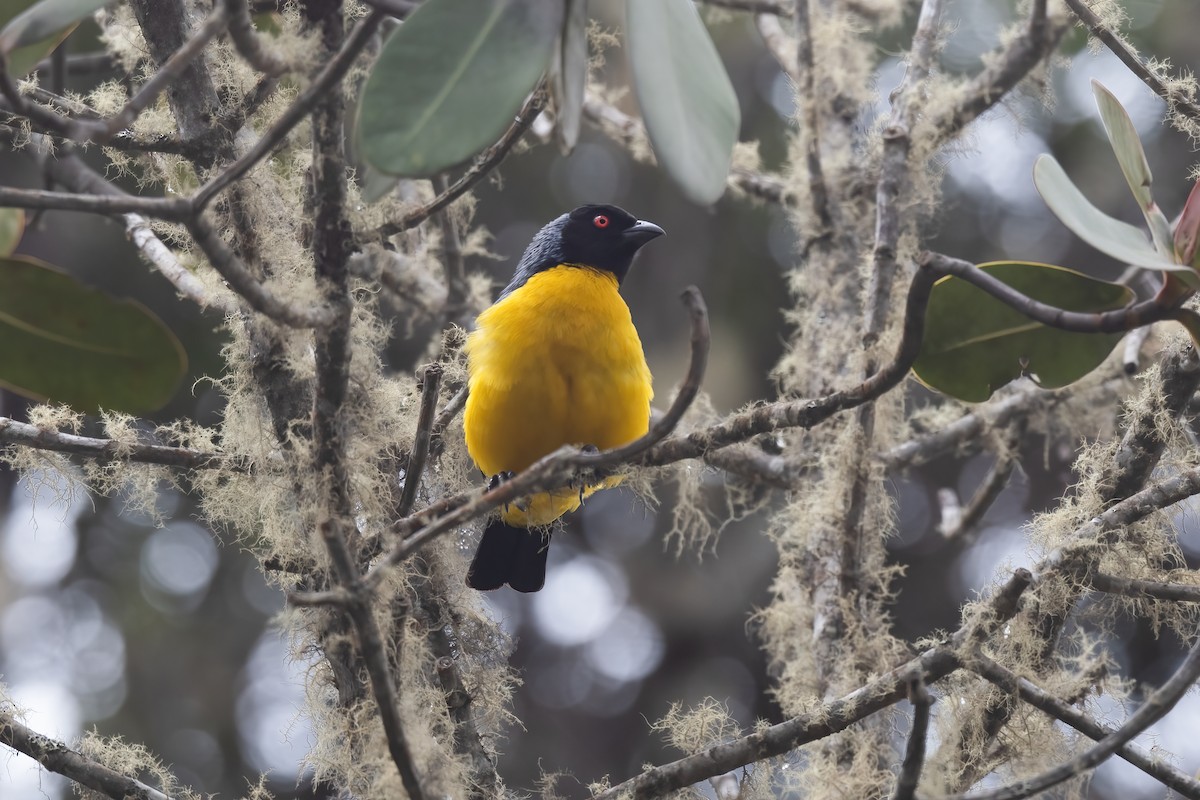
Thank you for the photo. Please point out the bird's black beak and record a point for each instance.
(642, 232)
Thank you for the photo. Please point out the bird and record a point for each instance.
(555, 360)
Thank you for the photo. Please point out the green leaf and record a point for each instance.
(1187, 230)
(67, 343)
(569, 72)
(12, 226)
(974, 344)
(34, 30)
(687, 101)
(1111, 236)
(1127, 146)
(449, 81)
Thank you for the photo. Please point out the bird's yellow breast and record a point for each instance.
(557, 361)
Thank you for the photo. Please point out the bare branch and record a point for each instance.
(23, 434)
(261, 298)
(914, 753)
(431, 383)
(116, 202)
(776, 7)
(484, 163)
(58, 757)
(247, 41)
(966, 525)
(1175, 101)
(162, 259)
(1135, 587)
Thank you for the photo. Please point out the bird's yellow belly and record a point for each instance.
(557, 362)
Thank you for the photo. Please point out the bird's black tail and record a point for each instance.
(506, 554)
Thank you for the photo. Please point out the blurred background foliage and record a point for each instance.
(163, 634)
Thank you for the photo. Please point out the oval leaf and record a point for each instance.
(1111, 236)
(690, 108)
(974, 344)
(67, 343)
(12, 227)
(449, 81)
(1127, 146)
(570, 70)
(39, 28)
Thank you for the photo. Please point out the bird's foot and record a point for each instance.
(591, 450)
(499, 478)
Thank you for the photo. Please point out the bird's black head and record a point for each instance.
(598, 236)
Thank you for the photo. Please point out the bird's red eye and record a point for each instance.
(600, 221)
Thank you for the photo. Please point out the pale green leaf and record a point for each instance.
(1127, 147)
(449, 81)
(44, 21)
(570, 69)
(688, 104)
(1111, 236)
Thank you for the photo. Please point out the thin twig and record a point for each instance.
(431, 383)
(164, 260)
(175, 209)
(456, 275)
(1121, 319)
(914, 753)
(1132, 355)
(58, 757)
(169, 71)
(333, 71)
(1118, 47)
(965, 525)
(1138, 588)
(484, 163)
(1153, 765)
(247, 41)
(23, 434)
(261, 298)
(776, 7)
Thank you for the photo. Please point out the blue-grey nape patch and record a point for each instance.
(543, 253)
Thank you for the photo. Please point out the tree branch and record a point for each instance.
(58, 757)
(1152, 765)
(484, 163)
(1175, 101)
(914, 753)
(23, 434)
(1155, 708)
